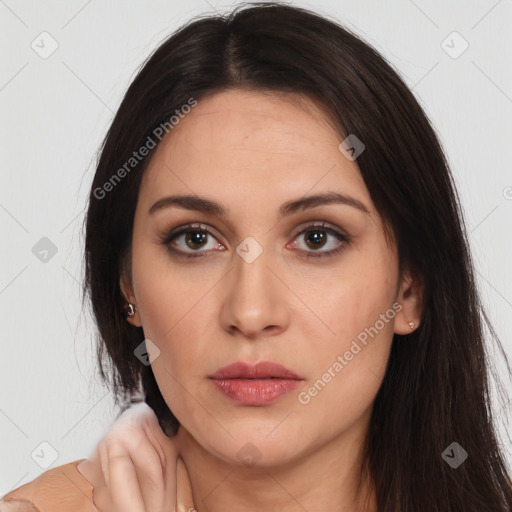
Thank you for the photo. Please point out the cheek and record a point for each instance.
(186, 358)
(173, 318)
(362, 331)
(177, 308)
(167, 293)
(358, 308)
(347, 368)
(352, 299)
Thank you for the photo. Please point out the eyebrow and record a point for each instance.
(202, 204)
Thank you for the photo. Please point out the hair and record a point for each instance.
(436, 387)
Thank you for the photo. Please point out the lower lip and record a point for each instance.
(255, 391)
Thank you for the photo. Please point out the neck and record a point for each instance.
(326, 478)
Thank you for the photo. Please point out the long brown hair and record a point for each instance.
(436, 388)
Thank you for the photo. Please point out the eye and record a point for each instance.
(192, 237)
(317, 236)
(192, 241)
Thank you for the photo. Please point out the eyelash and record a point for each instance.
(167, 239)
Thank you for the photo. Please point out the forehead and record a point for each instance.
(241, 145)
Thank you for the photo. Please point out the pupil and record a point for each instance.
(316, 237)
(196, 237)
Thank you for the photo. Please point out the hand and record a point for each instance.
(137, 468)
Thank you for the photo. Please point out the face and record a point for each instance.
(251, 269)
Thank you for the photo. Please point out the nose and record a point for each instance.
(255, 300)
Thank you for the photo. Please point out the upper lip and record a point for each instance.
(262, 370)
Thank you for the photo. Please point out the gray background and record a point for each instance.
(56, 110)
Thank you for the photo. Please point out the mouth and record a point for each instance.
(261, 370)
(255, 384)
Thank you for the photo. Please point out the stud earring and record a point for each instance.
(129, 311)
(411, 325)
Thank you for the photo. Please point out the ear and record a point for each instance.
(410, 296)
(126, 286)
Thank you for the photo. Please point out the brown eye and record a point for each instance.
(196, 239)
(190, 240)
(315, 239)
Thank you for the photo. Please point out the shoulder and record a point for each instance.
(16, 506)
(60, 489)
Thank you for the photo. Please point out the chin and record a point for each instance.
(256, 448)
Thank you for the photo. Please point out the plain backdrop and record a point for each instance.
(65, 67)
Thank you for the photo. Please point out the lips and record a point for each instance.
(255, 384)
(261, 370)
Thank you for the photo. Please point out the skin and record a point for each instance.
(253, 151)
(136, 467)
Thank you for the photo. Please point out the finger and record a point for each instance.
(157, 469)
(90, 469)
(170, 490)
(101, 499)
(184, 495)
(125, 493)
(168, 451)
(135, 463)
(147, 463)
(152, 427)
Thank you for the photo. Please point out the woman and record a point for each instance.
(274, 216)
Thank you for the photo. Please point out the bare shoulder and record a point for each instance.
(16, 506)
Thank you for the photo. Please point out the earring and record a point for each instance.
(129, 311)
(411, 325)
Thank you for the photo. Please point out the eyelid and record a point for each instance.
(320, 224)
(197, 226)
(343, 238)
